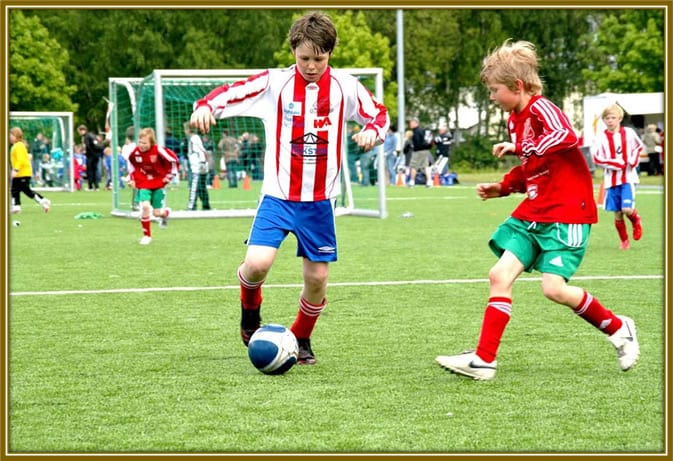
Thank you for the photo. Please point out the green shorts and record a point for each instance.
(552, 248)
(154, 196)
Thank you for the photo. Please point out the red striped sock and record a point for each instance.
(307, 316)
(145, 222)
(251, 293)
(620, 225)
(496, 317)
(591, 310)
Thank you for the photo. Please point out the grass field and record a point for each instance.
(119, 348)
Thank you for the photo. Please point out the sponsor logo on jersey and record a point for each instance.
(309, 147)
(532, 191)
(321, 122)
(292, 108)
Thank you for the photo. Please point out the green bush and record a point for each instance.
(474, 153)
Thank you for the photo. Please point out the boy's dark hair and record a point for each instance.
(316, 29)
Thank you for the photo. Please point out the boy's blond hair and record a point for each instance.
(149, 134)
(17, 133)
(511, 62)
(613, 109)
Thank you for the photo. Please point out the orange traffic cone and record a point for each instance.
(216, 182)
(435, 179)
(246, 182)
(400, 179)
(601, 195)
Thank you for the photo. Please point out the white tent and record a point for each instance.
(649, 105)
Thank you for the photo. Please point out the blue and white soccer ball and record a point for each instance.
(273, 349)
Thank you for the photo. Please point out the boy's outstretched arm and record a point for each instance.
(202, 118)
(488, 190)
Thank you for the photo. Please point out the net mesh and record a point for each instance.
(51, 156)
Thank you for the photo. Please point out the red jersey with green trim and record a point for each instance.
(553, 172)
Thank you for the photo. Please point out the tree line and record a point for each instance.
(60, 60)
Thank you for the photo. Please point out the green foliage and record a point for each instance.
(37, 65)
(474, 153)
(115, 347)
(581, 50)
(628, 52)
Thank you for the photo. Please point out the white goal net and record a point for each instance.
(49, 136)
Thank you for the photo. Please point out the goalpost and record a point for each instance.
(53, 168)
(135, 102)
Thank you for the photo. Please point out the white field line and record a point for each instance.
(331, 285)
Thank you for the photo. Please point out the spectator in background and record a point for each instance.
(245, 152)
(391, 150)
(93, 149)
(47, 168)
(353, 153)
(103, 142)
(198, 165)
(22, 172)
(421, 156)
(366, 168)
(256, 157)
(652, 142)
(38, 148)
(209, 146)
(172, 143)
(230, 152)
(443, 141)
(617, 150)
(107, 164)
(408, 148)
(79, 165)
(128, 147)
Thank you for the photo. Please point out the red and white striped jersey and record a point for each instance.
(619, 154)
(553, 173)
(304, 123)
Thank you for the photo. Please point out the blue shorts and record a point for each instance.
(312, 223)
(619, 197)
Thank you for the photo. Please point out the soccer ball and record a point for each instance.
(273, 349)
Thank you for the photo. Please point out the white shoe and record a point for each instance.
(46, 203)
(16, 209)
(626, 343)
(468, 364)
(146, 240)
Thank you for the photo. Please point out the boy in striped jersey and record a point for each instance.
(549, 229)
(304, 109)
(617, 150)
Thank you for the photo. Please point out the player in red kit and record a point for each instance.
(151, 167)
(304, 109)
(549, 230)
